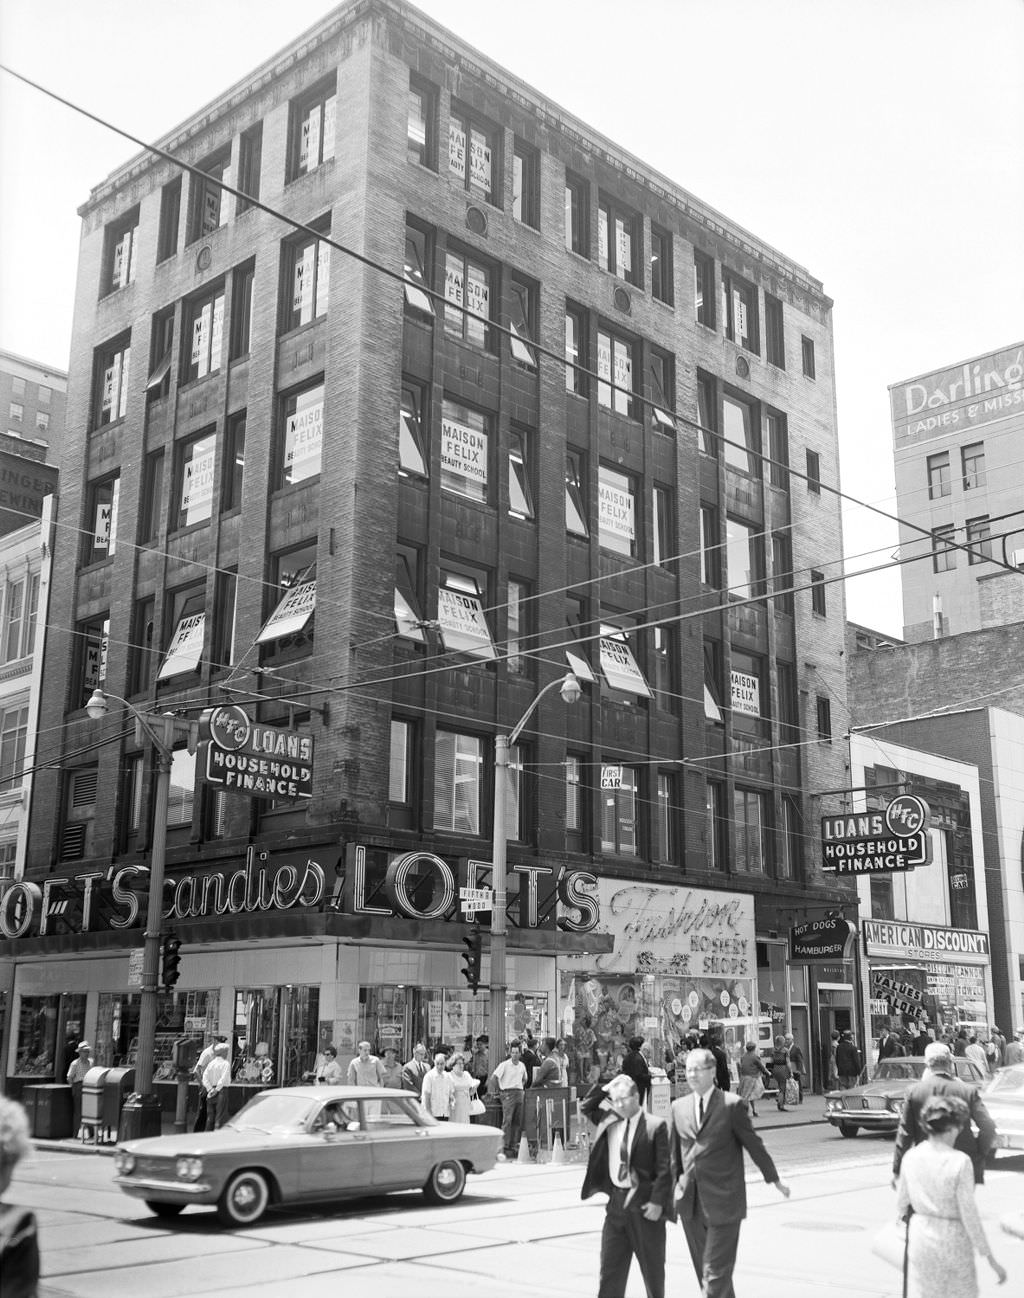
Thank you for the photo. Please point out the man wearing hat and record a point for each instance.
(940, 1079)
(80, 1065)
(201, 1065)
(216, 1077)
(848, 1061)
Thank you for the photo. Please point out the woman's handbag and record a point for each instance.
(477, 1108)
(792, 1091)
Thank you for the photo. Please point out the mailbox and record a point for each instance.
(92, 1101)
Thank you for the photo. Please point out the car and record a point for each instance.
(305, 1144)
(876, 1103)
(1004, 1099)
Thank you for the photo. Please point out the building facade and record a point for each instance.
(34, 397)
(481, 400)
(956, 438)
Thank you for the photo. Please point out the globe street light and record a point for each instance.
(570, 690)
(141, 1115)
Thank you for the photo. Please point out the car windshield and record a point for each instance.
(904, 1070)
(273, 1111)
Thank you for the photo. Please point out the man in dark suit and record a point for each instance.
(710, 1130)
(630, 1161)
(940, 1079)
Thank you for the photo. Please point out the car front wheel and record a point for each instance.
(244, 1200)
(848, 1129)
(446, 1182)
(165, 1210)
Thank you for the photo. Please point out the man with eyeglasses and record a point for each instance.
(630, 1161)
(710, 1130)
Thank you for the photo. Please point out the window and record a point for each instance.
(112, 366)
(616, 371)
(710, 547)
(225, 618)
(413, 458)
(186, 621)
(417, 270)
(306, 279)
(467, 294)
(210, 204)
(100, 526)
(704, 289)
(813, 472)
(195, 463)
(939, 483)
(792, 836)
(751, 831)
(523, 321)
(715, 830)
(619, 805)
(807, 353)
(662, 374)
(574, 795)
(170, 212)
(972, 463)
(575, 494)
(301, 435)
(526, 184)
(518, 609)
(520, 473)
(203, 334)
(21, 599)
(15, 413)
(181, 794)
(141, 656)
(17, 386)
(577, 215)
(707, 414)
(774, 337)
(152, 496)
(44, 395)
(465, 442)
(458, 780)
(782, 572)
(575, 351)
(400, 762)
(42, 421)
(748, 700)
(662, 529)
(741, 442)
(665, 678)
(120, 253)
(290, 624)
(474, 158)
(241, 310)
(422, 127)
(739, 311)
(778, 449)
(881, 898)
(624, 682)
(8, 859)
(744, 557)
(818, 604)
(618, 241)
(161, 348)
(979, 538)
(943, 555)
(461, 597)
(663, 821)
(661, 265)
(79, 813)
(250, 158)
(616, 510)
(312, 129)
(92, 640)
(408, 602)
(824, 714)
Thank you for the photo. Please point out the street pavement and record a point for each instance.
(519, 1228)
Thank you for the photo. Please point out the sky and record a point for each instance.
(878, 143)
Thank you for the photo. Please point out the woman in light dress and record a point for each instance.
(937, 1182)
(464, 1089)
(753, 1075)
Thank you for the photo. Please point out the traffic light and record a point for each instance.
(471, 957)
(170, 960)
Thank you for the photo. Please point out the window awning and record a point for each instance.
(463, 625)
(292, 613)
(417, 299)
(186, 647)
(620, 668)
(159, 372)
(407, 621)
(521, 350)
(712, 712)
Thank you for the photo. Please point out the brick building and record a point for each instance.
(543, 410)
(33, 399)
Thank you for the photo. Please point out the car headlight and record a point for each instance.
(124, 1163)
(188, 1169)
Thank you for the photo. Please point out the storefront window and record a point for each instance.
(49, 1029)
(275, 1035)
(194, 1014)
(449, 1017)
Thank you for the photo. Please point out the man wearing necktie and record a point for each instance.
(710, 1130)
(630, 1161)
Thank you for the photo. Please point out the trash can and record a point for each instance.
(117, 1086)
(92, 1101)
(49, 1110)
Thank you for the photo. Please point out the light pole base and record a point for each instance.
(141, 1116)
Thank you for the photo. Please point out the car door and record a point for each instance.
(335, 1158)
(403, 1152)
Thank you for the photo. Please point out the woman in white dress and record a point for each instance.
(464, 1089)
(937, 1182)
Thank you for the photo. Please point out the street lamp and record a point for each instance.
(141, 1113)
(570, 690)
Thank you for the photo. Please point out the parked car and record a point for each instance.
(877, 1102)
(306, 1144)
(1004, 1099)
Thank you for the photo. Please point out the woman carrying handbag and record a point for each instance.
(753, 1076)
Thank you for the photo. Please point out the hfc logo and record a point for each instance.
(906, 815)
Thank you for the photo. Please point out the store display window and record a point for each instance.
(274, 1042)
(193, 1014)
(49, 1029)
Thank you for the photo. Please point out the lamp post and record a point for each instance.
(141, 1113)
(569, 688)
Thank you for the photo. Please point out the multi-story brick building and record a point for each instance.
(480, 399)
(33, 398)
